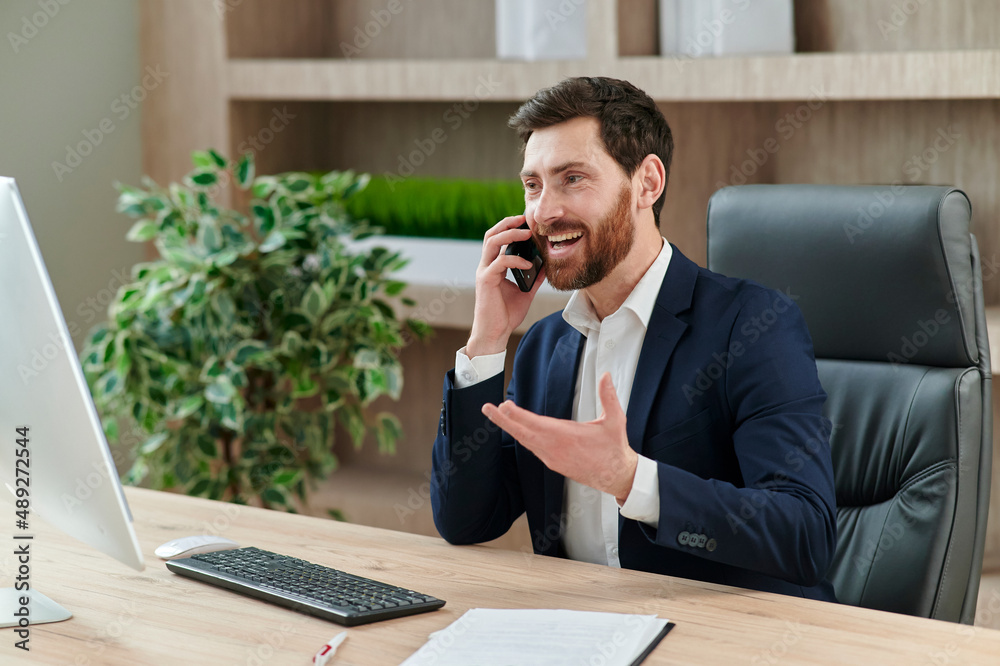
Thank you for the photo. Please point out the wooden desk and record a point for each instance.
(155, 617)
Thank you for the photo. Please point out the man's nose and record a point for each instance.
(548, 207)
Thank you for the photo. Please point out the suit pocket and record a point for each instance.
(661, 442)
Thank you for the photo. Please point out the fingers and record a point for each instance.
(519, 423)
(505, 261)
(609, 398)
(504, 232)
(512, 222)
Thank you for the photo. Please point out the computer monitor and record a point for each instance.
(53, 453)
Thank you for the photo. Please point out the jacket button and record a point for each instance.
(700, 543)
(710, 546)
(682, 538)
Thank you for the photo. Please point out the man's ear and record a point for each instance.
(650, 178)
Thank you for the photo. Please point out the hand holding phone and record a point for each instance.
(526, 249)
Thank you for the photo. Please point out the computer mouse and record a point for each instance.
(193, 545)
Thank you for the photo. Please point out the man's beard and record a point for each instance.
(608, 245)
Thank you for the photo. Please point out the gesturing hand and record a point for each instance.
(595, 453)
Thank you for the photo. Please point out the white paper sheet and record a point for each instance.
(493, 637)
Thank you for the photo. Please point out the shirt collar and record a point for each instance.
(579, 311)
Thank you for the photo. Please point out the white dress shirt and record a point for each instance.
(612, 345)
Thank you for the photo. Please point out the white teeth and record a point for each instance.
(565, 237)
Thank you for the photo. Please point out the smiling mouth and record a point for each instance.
(560, 241)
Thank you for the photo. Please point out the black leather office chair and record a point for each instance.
(889, 281)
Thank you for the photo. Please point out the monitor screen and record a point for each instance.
(54, 457)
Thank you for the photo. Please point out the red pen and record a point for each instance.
(325, 652)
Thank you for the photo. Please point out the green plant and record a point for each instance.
(449, 208)
(241, 348)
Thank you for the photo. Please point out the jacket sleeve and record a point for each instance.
(475, 491)
(782, 521)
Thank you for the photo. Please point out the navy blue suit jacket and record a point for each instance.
(725, 399)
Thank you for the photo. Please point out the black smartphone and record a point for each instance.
(528, 250)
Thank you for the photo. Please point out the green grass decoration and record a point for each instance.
(436, 208)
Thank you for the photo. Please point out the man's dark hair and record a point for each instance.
(632, 126)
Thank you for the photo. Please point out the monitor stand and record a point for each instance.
(41, 609)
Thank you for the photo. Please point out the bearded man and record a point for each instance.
(669, 419)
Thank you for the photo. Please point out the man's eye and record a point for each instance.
(529, 186)
(574, 179)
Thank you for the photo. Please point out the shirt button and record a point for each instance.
(614, 551)
(467, 376)
(610, 344)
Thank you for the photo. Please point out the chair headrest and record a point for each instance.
(881, 273)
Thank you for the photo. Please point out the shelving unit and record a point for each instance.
(932, 75)
(866, 100)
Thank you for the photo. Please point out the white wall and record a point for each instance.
(58, 82)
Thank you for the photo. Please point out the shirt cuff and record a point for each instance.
(643, 503)
(469, 371)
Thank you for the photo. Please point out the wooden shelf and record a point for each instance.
(834, 76)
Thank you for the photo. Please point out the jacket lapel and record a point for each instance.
(560, 381)
(662, 333)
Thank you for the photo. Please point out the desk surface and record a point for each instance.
(155, 617)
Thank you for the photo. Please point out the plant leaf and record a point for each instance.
(245, 171)
(221, 391)
(220, 161)
(274, 240)
(153, 443)
(203, 177)
(188, 406)
(143, 230)
(207, 446)
(314, 301)
(249, 350)
(202, 159)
